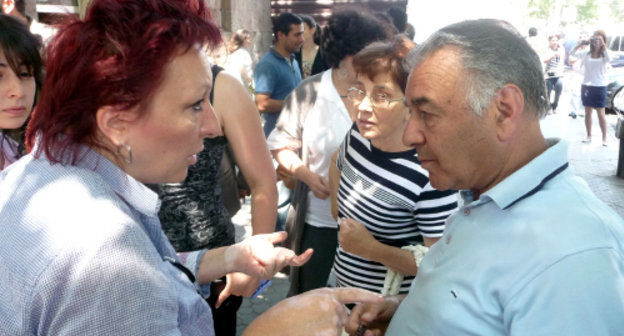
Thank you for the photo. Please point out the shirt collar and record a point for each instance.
(328, 91)
(135, 193)
(280, 56)
(529, 179)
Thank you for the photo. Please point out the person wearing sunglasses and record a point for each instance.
(388, 211)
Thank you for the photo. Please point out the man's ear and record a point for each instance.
(112, 124)
(509, 111)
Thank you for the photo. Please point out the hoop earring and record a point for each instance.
(128, 149)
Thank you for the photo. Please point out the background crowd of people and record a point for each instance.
(413, 181)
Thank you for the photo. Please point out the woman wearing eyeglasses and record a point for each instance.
(310, 128)
(380, 193)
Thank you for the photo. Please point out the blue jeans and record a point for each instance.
(557, 84)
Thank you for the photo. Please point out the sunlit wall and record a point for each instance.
(428, 16)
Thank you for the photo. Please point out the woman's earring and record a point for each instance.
(128, 156)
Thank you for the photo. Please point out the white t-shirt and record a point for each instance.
(595, 69)
(324, 129)
(240, 59)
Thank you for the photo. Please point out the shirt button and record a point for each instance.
(466, 212)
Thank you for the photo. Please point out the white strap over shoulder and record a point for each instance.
(392, 283)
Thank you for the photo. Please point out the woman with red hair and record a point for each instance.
(124, 102)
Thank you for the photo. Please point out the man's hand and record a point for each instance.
(374, 317)
(355, 238)
(239, 284)
(256, 256)
(316, 312)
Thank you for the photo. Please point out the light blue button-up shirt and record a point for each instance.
(538, 254)
(82, 253)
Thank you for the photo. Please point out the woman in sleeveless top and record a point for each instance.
(193, 214)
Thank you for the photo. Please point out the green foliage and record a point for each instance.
(587, 13)
(541, 9)
(617, 10)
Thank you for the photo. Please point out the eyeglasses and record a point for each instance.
(379, 100)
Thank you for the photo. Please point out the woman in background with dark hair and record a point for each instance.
(20, 78)
(315, 118)
(82, 250)
(309, 48)
(319, 65)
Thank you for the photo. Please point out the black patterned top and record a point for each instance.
(192, 213)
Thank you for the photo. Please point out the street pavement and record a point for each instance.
(593, 162)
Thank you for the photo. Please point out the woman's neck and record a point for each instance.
(393, 143)
(342, 82)
(308, 50)
(340, 79)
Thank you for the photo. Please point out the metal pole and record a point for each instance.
(620, 166)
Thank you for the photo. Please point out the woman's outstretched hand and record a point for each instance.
(257, 256)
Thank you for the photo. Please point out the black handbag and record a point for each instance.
(231, 180)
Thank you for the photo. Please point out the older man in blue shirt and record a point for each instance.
(532, 251)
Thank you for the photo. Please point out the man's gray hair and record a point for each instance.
(493, 54)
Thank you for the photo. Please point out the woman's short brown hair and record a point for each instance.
(385, 57)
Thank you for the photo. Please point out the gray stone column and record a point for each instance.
(31, 9)
(254, 16)
(83, 5)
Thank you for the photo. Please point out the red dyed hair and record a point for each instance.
(114, 57)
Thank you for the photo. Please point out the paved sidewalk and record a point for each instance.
(593, 162)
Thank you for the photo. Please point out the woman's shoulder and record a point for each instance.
(305, 92)
(311, 82)
(9, 149)
(70, 205)
(70, 193)
(240, 54)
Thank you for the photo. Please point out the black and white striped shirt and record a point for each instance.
(391, 195)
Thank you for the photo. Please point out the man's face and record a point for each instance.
(454, 144)
(553, 42)
(293, 41)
